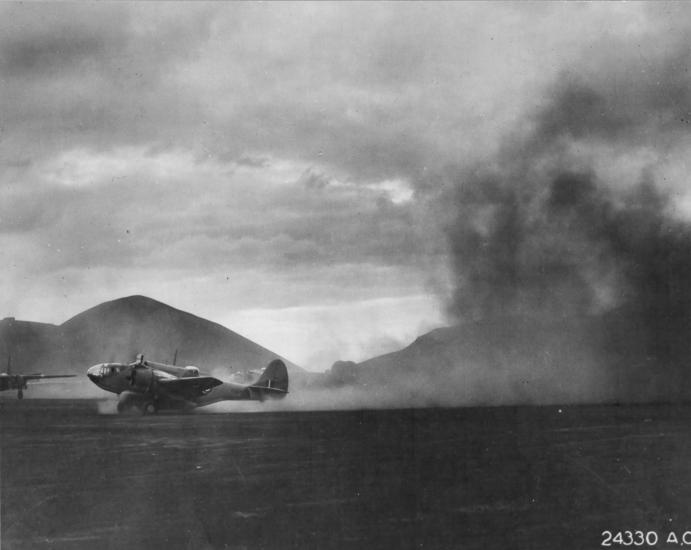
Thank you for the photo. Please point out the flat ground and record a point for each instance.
(526, 477)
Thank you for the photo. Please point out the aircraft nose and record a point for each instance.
(94, 373)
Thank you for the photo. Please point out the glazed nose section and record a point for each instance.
(94, 373)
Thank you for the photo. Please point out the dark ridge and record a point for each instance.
(603, 358)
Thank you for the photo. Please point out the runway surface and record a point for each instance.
(523, 477)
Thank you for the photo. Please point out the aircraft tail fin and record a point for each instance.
(274, 380)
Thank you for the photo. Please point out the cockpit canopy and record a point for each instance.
(108, 369)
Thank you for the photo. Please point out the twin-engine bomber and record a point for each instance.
(149, 387)
(19, 382)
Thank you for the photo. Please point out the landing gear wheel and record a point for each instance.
(150, 408)
(20, 394)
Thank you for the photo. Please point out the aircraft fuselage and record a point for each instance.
(151, 386)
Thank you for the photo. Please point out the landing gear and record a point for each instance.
(20, 394)
(138, 404)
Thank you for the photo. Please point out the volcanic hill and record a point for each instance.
(118, 330)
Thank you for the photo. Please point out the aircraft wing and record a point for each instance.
(39, 376)
(191, 387)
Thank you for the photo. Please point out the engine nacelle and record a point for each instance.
(142, 379)
(190, 372)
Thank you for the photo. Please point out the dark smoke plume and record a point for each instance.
(554, 232)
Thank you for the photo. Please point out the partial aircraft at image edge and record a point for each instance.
(149, 387)
(10, 381)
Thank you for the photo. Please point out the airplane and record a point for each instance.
(9, 381)
(149, 387)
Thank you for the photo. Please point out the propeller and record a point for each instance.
(138, 364)
(143, 378)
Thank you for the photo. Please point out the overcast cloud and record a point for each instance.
(289, 162)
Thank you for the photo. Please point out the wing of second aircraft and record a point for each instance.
(39, 376)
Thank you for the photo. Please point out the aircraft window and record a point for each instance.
(108, 370)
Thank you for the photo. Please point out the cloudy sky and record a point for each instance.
(278, 168)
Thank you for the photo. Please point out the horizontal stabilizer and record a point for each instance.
(268, 389)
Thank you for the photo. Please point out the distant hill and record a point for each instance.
(119, 330)
(521, 360)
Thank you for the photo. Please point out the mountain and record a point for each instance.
(613, 357)
(118, 330)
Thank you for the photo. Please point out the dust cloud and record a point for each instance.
(576, 235)
(570, 251)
